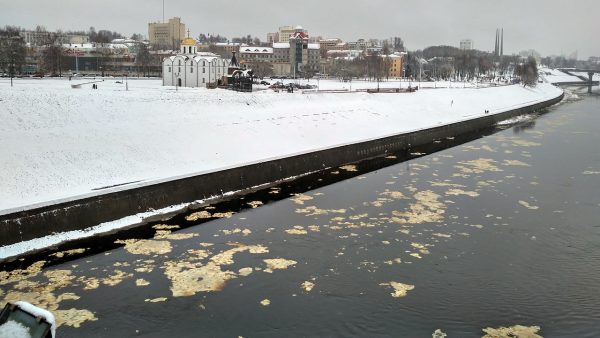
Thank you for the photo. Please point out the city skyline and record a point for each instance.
(531, 25)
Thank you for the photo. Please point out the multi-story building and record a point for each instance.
(285, 32)
(304, 56)
(395, 63)
(315, 39)
(73, 38)
(250, 54)
(272, 37)
(166, 34)
(331, 44)
(41, 38)
(226, 49)
(35, 38)
(360, 44)
(281, 59)
(466, 44)
(293, 58)
(98, 58)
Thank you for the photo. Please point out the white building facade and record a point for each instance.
(466, 44)
(192, 69)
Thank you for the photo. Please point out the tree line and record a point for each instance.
(12, 51)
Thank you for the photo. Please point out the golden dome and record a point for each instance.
(188, 42)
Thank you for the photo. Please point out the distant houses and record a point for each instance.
(289, 52)
(296, 57)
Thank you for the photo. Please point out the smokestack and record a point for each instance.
(502, 43)
(496, 44)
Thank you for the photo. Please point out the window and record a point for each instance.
(203, 70)
(169, 69)
(203, 63)
(191, 69)
(202, 80)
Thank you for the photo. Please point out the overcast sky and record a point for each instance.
(552, 27)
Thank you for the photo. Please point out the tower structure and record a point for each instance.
(496, 45)
(499, 45)
(502, 43)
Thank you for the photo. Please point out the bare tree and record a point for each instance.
(52, 60)
(398, 44)
(12, 50)
(137, 37)
(262, 69)
(528, 72)
(387, 62)
(142, 59)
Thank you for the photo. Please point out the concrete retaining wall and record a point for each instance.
(87, 212)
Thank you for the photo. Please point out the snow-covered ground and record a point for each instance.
(596, 76)
(557, 76)
(356, 84)
(60, 143)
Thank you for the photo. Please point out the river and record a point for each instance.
(503, 230)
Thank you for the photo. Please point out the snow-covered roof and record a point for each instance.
(344, 51)
(222, 44)
(209, 58)
(314, 46)
(256, 50)
(90, 46)
(79, 45)
(124, 41)
(204, 56)
(117, 46)
(299, 35)
(281, 45)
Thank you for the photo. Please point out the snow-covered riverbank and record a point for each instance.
(60, 143)
(557, 77)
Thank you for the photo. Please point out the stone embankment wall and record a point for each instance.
(88, 212)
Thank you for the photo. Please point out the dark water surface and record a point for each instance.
(501, 231)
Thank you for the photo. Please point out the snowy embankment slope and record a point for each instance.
(556, 76)
(596, 76)
(61, 144)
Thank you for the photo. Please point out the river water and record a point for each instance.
(501, 231)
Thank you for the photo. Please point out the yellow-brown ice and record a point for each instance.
(400, 289)
(517, 331)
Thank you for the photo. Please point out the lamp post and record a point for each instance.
(12, 64)
(403, 75)
(11, 70)
(420, 70)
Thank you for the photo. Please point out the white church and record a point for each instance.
(192, 69)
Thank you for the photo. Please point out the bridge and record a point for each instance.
(589, 79)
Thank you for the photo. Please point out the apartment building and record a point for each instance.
(166, 34)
